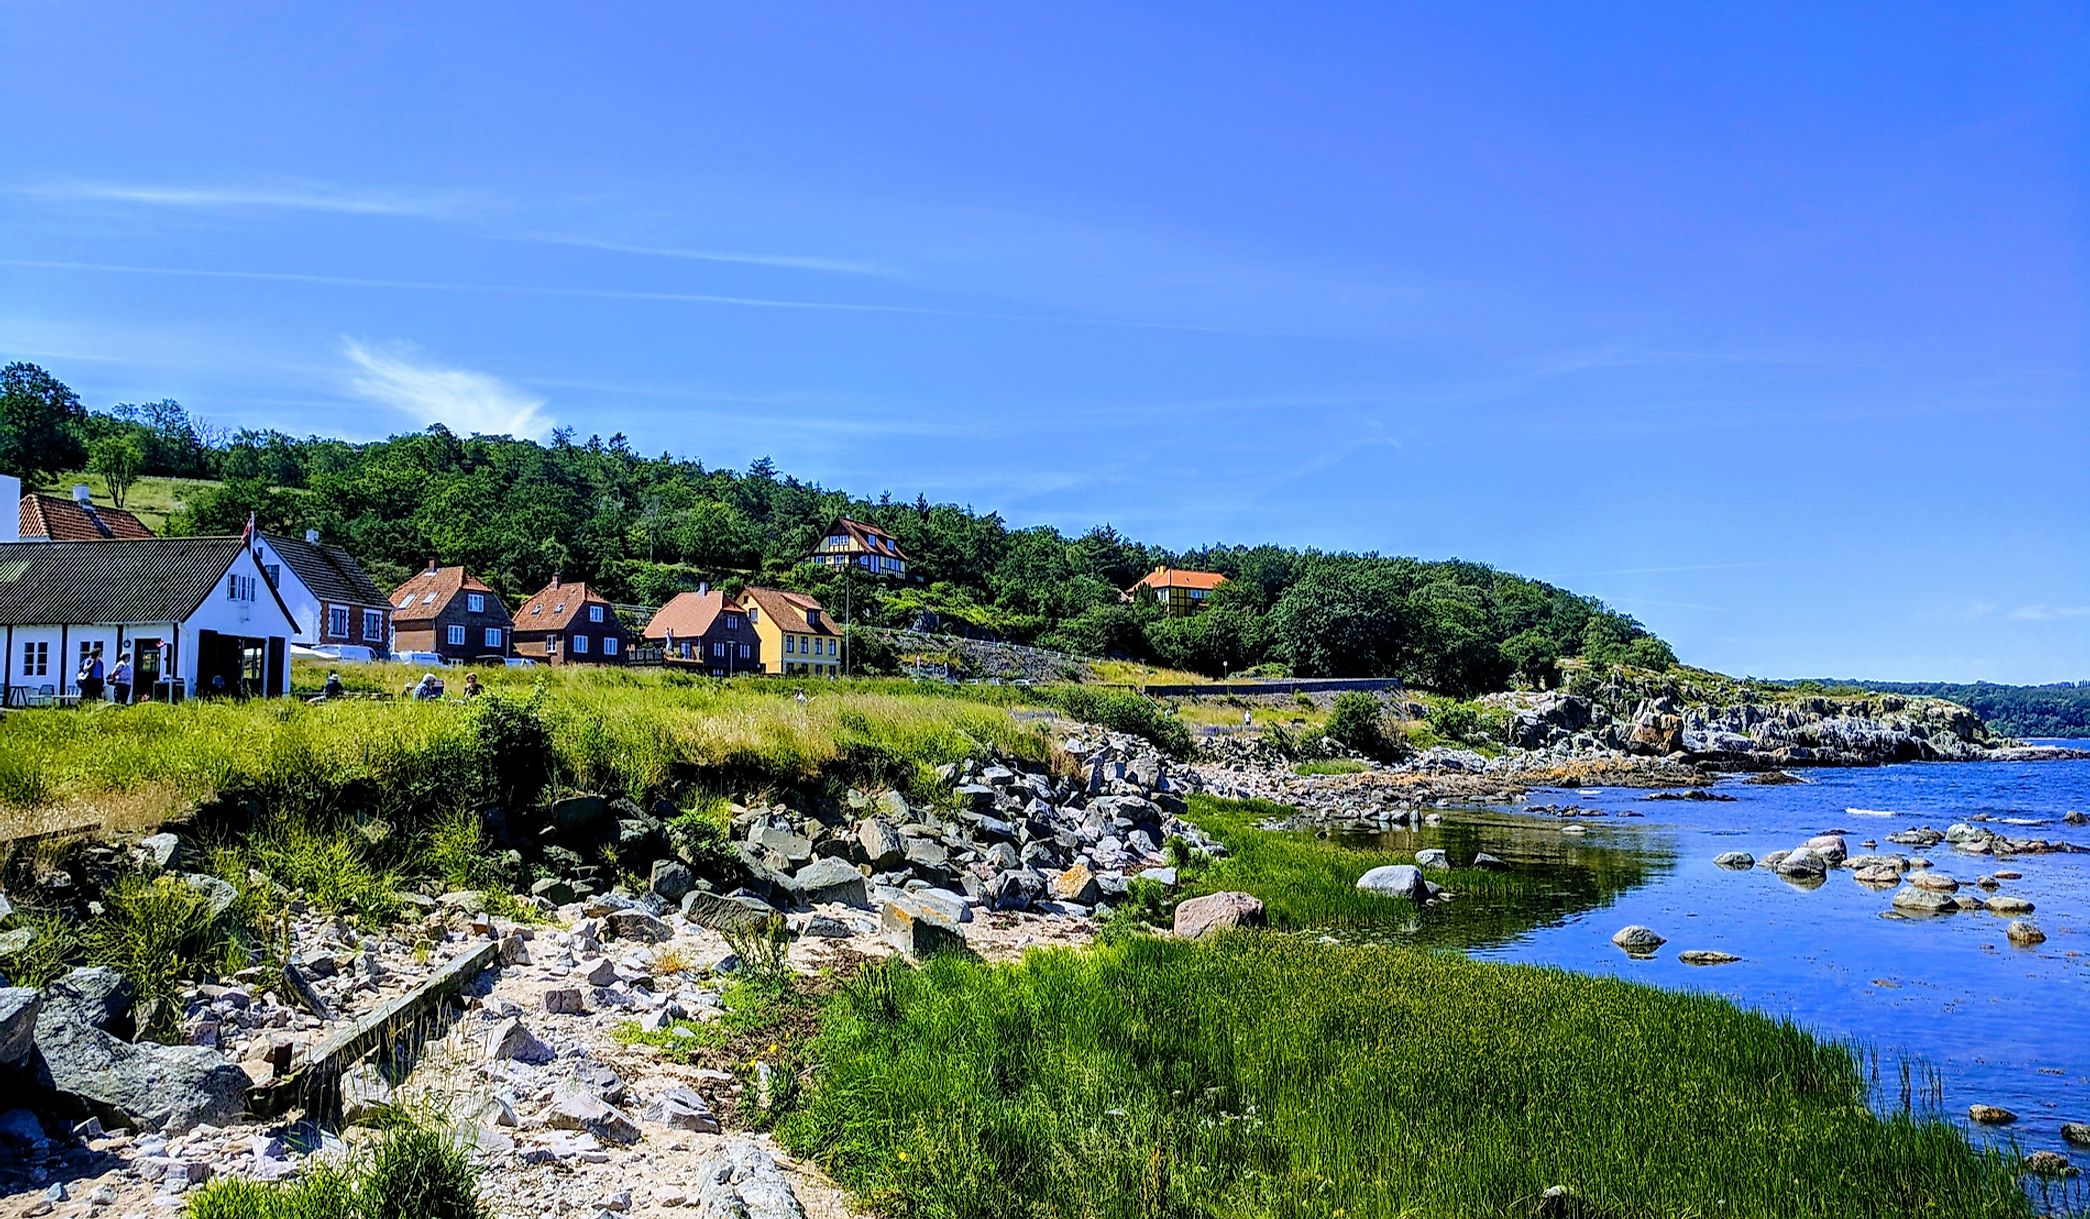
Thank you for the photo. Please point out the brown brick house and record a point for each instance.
(569, 624)
(709, 630)
(449, 611)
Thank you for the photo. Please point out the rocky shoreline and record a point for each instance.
(540, 1058)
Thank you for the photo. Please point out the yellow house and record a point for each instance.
(797, 635)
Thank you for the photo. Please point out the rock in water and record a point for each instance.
(1739, 861)
(1637, 939)
(2049, 1164)
(2003, 903)
(1990, 1115)
(2024, 934)
(1924, 902)
(1201, 916)
(1395, 880)
(1706, 956)
(2076, 1134)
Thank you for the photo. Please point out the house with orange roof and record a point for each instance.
(569, 624)
(797, 635)
(452, 613)
(1179, 591)
(707, 630)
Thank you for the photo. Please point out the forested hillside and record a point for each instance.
(643, 528)
(2057, 709)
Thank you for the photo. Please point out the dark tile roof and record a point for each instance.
(124, 580)
(64, 520)
(329, 571)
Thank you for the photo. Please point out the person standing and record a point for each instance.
(91, 676)
(120, 679)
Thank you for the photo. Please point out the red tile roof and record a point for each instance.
(64, 520)
(557, 604)
(412, 602)
(1175, 577)
(689, 615)
(789, 610)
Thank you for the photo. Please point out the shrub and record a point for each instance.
(414, 1172)
(1357, 725)
(514, 745)
(1454, 720)
(702, 835)
(1122, 711)
(156, 932)
(51, 950)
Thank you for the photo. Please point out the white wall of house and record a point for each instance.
(39, 656)
(304, 604)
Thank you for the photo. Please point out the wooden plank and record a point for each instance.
(335, 1052)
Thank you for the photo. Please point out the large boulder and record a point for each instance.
(1078, 885)
(831, 880)
(919, 927)
(1396, 880)
(156, 1087)
(580, 816)
(96, 996)
(1924, 902)
(672, 879)
(1202, 916)
(742, 1181)
(1638, 940)
(725, 913)
(882, 845)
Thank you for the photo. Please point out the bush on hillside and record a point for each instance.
(1357, 724)
(1123, 711)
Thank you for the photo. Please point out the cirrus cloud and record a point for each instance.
(461, 399)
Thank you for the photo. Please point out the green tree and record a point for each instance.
(40, 423)
(117, 459)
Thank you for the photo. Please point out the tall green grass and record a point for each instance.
(413, 1172)
(631, 732)
(1266, 1075)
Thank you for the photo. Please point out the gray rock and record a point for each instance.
(882, 845)
(742, 1181)
(2024, 934)
(1706, 956)
(928, 855)
(156, 854)
(974, 796)
(831, 880)
(1489, 863)
(682, 1109)
(637, 925)
(366, 1095)
(219, 896)
(2076, 1134)
(96, 996)
(2004, 903)
(1924, 902)
(1016, 889)
(1396, 880)
(576, 816)
(1637, 939)
(795, 848)
(1830, 847)
(1214, 912)
(18, 1008)
(1739, 861)
(919, 927)
(20, 1128)
(564, 1001)
(158, 1087)
(1077, 885)
(672, 879)
(16, 941)
(725, 913)
(511, 1041)
(577, 1108)
(1160, 876)
(1433, 858)
(1803, 862)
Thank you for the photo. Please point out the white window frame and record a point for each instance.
(455, 634)
(594, 613)
(609, 645)
(580, 645)
(373, 624)
(475, 602)
(493, 637)
(341, 611)
(36, 658)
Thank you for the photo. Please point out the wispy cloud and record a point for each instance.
(2049, 613)
(797, 262)
(624, 294)
(302, 195)
(458, 398)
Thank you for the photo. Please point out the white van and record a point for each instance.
(425, 660)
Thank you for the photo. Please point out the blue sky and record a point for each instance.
(1765, 324)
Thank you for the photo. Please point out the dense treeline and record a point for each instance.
(2057, 709)
(643, 528)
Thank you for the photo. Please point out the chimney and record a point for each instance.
(555, 579)
(10, 501)
(312, 536)
(81, 495)
(431, 566)
(703, 586)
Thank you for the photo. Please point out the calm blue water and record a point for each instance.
(2000, 1024)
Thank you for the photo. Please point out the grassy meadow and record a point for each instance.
(1267, 1075)
(638, 733)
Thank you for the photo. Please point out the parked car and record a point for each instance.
(426, 660)
(345, 653)
(520, 662)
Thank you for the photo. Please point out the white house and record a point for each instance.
(195, 615)
(329, 595)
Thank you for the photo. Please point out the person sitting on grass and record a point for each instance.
(472, 688)
(430, 686)
(333, 688)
